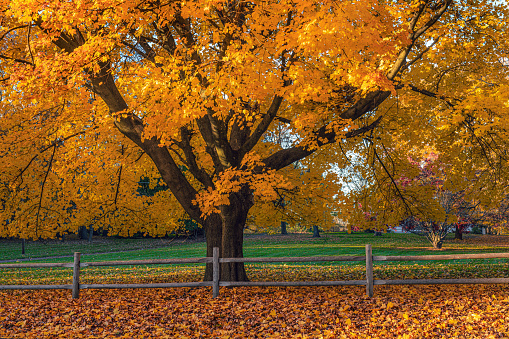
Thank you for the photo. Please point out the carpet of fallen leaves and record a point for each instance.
(446, 311)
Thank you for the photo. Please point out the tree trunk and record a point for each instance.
(436, 239)
(213, 236)
(316, 232)
(437, 242)
(458, 234)
(283, 228)
(226, 231)
(82, 232)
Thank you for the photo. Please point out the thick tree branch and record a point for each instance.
(419, 56)
(240, 131)
(432, 21)
(225, 154)
(198, 172)
(262, 126)
(371, 101)
(166, 39)
(287, 156)
(207, 135)
(132, 127)
(402, 57)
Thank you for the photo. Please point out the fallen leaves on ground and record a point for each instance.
(450, 311)
(453, 311)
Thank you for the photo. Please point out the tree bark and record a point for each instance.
(316, 232)
(437, 241)
(458, 234)
(283, 228)
(82, 232)
(226, 231)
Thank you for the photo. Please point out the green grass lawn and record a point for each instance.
(11, 249)
(294, 245)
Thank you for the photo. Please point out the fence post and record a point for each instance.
(369, 271)
(76, 276)
(215, 272)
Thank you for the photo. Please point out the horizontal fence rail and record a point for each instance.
(440, 257)
(36, 265)
(369, 282)
(148, 262)
(295, 259)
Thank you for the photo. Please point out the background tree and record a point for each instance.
(96, 94)
(424, 196)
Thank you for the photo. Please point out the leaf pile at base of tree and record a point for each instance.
(453, 311)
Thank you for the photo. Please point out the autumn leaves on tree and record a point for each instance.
(98, 94)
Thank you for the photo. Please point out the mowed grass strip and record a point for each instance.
(102, 249)
(11, 249)
(256, 272)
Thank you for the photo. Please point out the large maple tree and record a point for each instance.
(97, 94)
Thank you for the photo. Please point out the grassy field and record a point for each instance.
(255, 245)
(102, 249)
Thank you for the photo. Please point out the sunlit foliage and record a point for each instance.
(96, 94)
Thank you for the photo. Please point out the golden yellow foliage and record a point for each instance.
(96, 94)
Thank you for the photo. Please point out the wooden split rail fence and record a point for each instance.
(369, 282)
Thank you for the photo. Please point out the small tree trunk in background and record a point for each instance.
(22, 246)
(90, 233)
(457, 233)
(82, 232)
(437, 242)
(283, 228)
(435, 238)
(316, 232)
